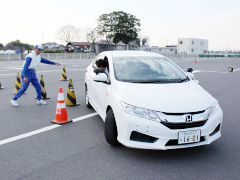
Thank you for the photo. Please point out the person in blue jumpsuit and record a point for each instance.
(28, 75)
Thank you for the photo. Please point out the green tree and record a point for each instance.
(1, 46)
(18, 45)
(123, 26)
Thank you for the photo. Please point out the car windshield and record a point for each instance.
(144, 69)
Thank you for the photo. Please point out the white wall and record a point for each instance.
(192, 45)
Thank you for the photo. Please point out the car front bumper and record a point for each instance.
(166, 138)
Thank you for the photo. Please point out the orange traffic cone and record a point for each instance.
(179, 57)
(61, 110)
(195, 60)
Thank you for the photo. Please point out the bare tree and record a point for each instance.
(68, 33)
(93, 36)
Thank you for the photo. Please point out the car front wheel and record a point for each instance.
(110, 129)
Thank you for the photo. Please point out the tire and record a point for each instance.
(110, 129)
(87, 98)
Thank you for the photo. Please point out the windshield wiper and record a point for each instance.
(157, 81)
(183, 80)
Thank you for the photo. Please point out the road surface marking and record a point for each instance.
(236, 70)
(46, 71)
(198, 71)
(48, 128)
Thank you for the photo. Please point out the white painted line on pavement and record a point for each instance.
(236, 70)
(11, 69)
(46, 71)
(198, 71)
(22, 136)
(214, 71)
(48, 128)
(84, 117)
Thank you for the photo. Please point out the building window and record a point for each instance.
(171, 49)
(180, 42)
(192, 42)
(192, 50)
(159, 49)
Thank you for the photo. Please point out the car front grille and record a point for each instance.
(183, 125)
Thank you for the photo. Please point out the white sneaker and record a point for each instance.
(14, 103)
(41, 102)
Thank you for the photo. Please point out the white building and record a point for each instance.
(51, 46)
(192, 46)
(169, 50)
(121, 46)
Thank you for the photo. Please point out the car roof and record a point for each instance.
(133, 53)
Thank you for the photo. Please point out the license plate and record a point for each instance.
(185, 137)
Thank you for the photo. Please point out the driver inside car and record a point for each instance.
(102, 65)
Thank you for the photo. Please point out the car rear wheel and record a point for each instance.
(110, 129)
(87, 98)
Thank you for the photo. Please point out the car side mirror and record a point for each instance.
(100, 77)
(97, 70)
(190, 75)
(190, 70)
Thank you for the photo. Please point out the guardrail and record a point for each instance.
(15, 57)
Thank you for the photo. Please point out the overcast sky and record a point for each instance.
(163, 21)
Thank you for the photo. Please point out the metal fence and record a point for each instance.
(12, 57)
(179, 55)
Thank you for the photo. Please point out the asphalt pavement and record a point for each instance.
(78, 150)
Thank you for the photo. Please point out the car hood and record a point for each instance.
(170, 97)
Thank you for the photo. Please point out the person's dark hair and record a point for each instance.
(101, 63)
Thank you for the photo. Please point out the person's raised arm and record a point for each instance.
(45, 61)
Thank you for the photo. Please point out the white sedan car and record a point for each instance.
(148, 102)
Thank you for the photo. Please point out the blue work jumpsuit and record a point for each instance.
(31, 62)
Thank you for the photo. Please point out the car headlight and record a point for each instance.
(137, 111)
(212, 109)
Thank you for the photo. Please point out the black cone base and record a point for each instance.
(53, 121)
(73, 105)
